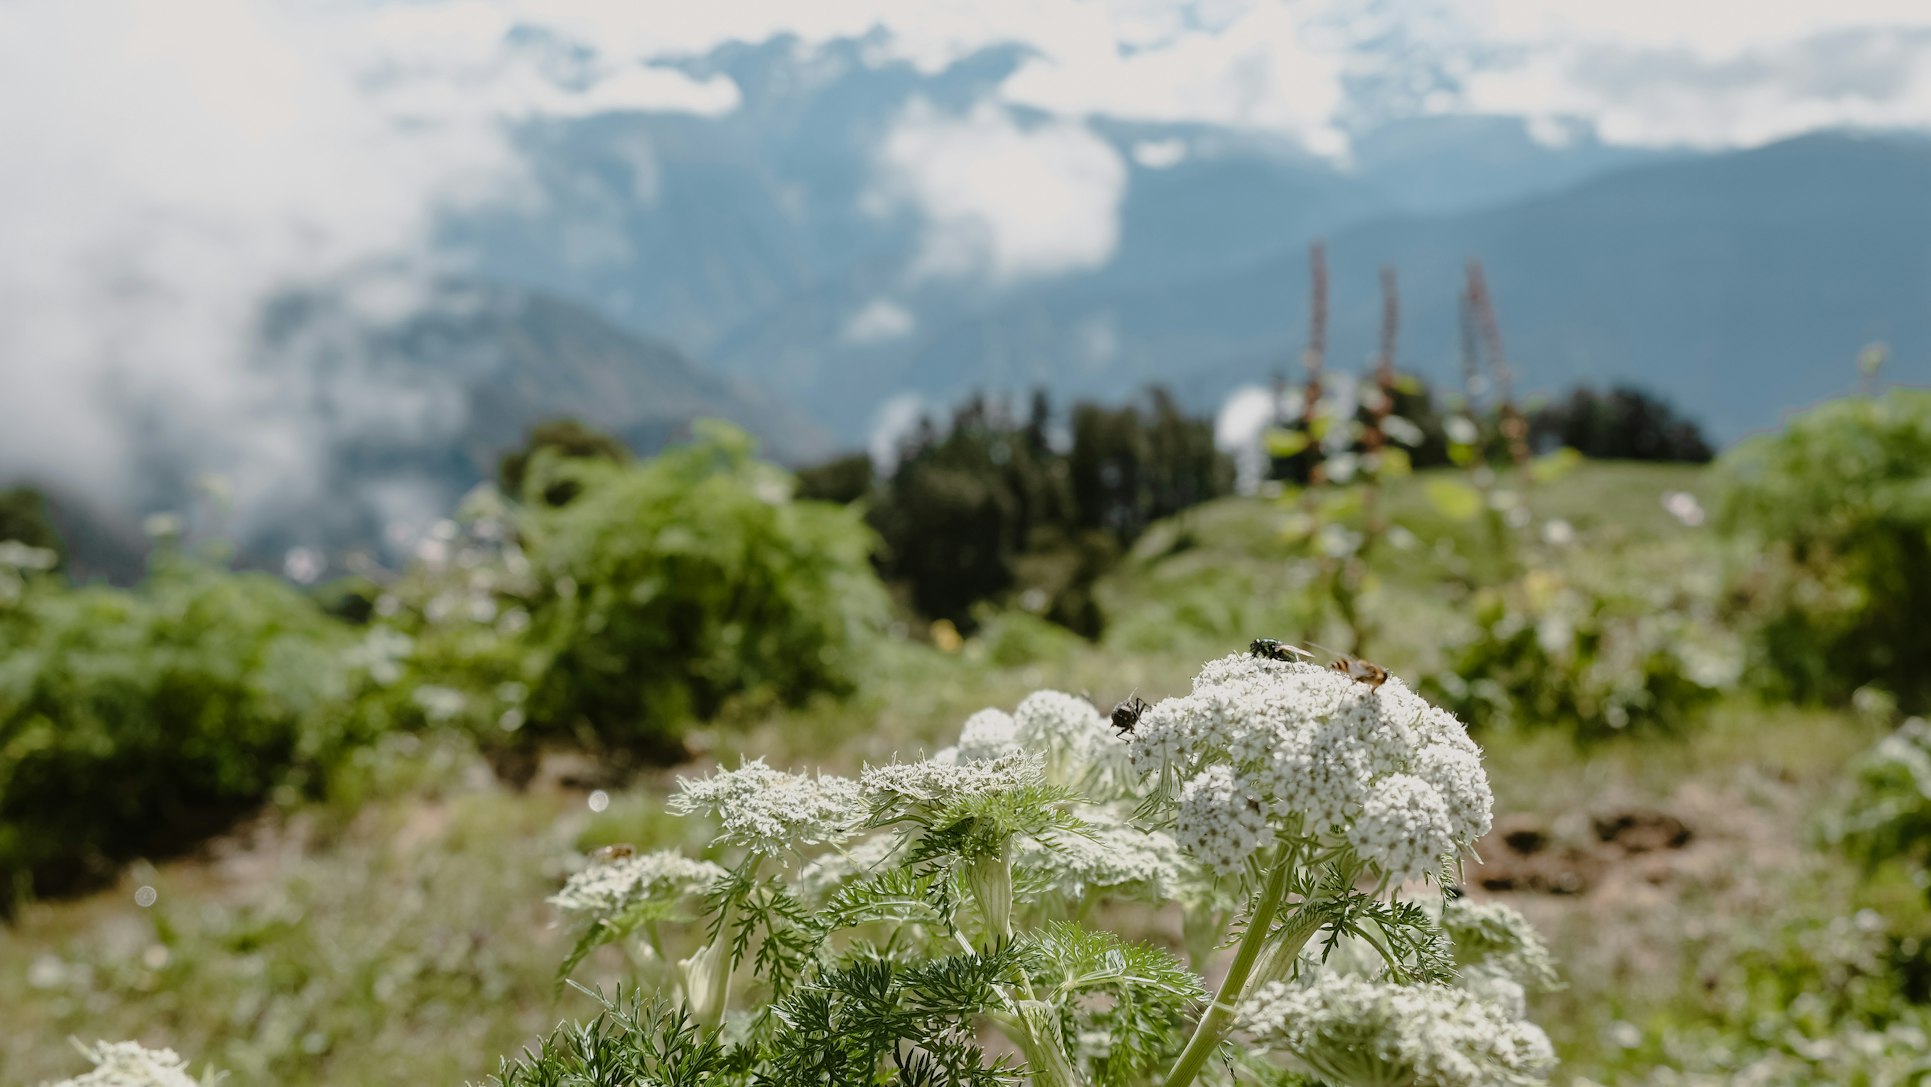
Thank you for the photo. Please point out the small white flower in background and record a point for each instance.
(303, 565)
(1079, 745)
(129, 1064)
(431, 551)
(19, 556)
(1557, 532)
(1106, 854)
(988, 734)
(609, 888)
(1493, 940)
(1683, 506)
(1288, 748)
(827, 872)
(1401, 431)
(1461, 430)
(1351, 1031)
(439, 703)
(162, 526)
(935, 783)
(769, 811)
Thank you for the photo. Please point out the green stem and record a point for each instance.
(1219, 1018)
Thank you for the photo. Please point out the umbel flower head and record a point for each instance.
(611, 887)
(129, 1064)
(1264, 750)
(1076, 746)
(772, 812)
(1352, 1032)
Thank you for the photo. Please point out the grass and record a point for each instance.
(398, 934)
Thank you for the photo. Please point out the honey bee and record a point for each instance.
(616, 851)
(1360, 671)
(1269, 649)
(1127, 714)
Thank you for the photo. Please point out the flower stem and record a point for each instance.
(1213, 1026)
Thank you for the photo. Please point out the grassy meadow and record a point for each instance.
(392, 929)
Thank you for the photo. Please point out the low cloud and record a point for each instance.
(171, 170)
(882, 319)
(1002, 200)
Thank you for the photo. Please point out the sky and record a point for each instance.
(171, 166)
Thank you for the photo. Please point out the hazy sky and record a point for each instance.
(170, 165)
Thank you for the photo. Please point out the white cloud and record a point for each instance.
(168, 169)
(1684, 95)
(882, 319)
(893, 423)
(1266, 70)
(1000, 199)
(1160, 154)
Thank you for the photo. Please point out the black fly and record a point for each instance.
(1127, 714)
(1269, 649)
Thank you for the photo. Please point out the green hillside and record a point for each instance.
(394, 932)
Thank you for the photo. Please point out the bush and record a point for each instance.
(1841, 501)
(668, 587)
(1596, 661)
(134, 721)
(1622, 424)
(1890, 816)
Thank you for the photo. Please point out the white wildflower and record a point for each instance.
(20, 556)
(1104, 855)
(609, 888)
(930, 782)
(130, 1064)
(769, 811)
(1683, 506)
(1492, 940)
(988, 734)
(1079, 744)
(1313, 754)
(1348, 1031)
(830, 871)
(1218, 822)
(1403, 828)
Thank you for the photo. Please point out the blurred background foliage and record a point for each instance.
(596, 615)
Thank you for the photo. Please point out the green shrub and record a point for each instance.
(1890, 816)
(1841, 501)
(1591, 659)
(669, 587)
(138, 720)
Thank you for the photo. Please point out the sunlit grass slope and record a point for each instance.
(398, 933)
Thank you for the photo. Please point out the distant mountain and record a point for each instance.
(1737, 284)
(1740, 286)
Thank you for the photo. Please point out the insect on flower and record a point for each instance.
(1127, 714)
(1269, 649)
(616, 851)
(1361, 671)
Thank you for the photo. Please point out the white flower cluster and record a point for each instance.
(1105, 854)
(825, 873)
(988, 734)
(769, 811)
(1218, 821)
(935, 783)
(1287, 748)
(130, 1064)
(611, 887)
(1500, 954)
(1351, 1031)
(1078, 746)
